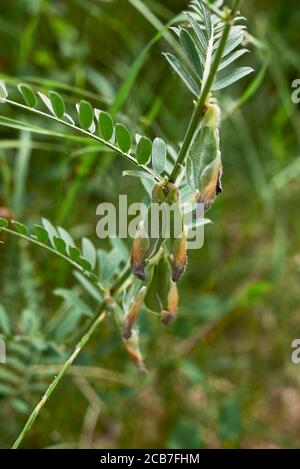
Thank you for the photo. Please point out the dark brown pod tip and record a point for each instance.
(219, 185)
(177, 271)
(169, 315)
(179, 257)
(168, 318)
(139, 251)
(139, 271)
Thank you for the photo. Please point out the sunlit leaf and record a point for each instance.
(202, 41)
(106, 125)
(59, 244)
(22, 229)
(190, 48)
(84, 263)
(65, 235)
(182, 73)
(123, 138)
(138, 174)
(41, 233)
(232, 57)
(86, 114)
(50, 229)
(229, 77)
(74, 253)
(143, 151)
(89, 252)
(57, 104)
(28, 94)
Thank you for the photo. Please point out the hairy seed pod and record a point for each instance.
(179, 257)
(140, 248)
(134, 310)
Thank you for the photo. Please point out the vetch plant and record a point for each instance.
(120, 283)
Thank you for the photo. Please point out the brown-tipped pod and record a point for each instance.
(139, 252)
(179, 257)
(169, 315)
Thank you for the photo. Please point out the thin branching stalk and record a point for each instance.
(198, 111)
(86, 337)
(110, 145)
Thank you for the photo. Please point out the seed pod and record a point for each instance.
(133, 349)
(140, 248)
(157, 295)
(162, 295)
(204, 164)
(169, 315)
(132, 343)
(131, 316)
(210, 182)
(179, 255)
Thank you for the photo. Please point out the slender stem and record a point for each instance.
(199, 109)
(83, 341)
(234, 8)
(90, 135)
(45, 246)
(60, 375)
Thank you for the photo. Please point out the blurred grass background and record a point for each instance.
(222, 375)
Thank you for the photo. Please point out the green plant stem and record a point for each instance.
(234, 8)
(200, 106)
(60, 375)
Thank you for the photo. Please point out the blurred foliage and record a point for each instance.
(222, 375)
